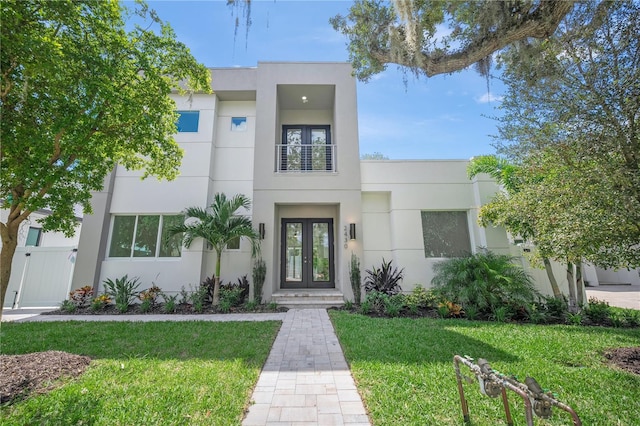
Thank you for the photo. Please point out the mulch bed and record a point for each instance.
(181, 309)
(21, 375)
(626, 358)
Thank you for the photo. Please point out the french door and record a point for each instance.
(307, 253)
(306, 148)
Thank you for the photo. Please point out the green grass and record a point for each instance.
(404, 369)
(156, 373)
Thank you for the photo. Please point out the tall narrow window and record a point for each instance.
(33, 237)
(445, 233)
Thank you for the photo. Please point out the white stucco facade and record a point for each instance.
(307, 189)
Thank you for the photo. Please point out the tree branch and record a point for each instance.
(542, 23)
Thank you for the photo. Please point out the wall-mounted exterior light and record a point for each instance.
(261, 230)
(352, 231)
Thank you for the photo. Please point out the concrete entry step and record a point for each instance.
(308, 298)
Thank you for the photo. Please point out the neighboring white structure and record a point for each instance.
(286, 135)
(42, 265)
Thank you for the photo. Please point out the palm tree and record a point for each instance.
(219, 225)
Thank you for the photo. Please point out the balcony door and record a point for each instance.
(306, 148)
(307, 253)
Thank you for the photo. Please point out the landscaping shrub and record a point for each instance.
(100, 302)
(384, 280)
(230, 295)
(206, 288)
(170, 303)
(598, 311)
(486, 281)
(236, 292)
(394, 304)
(81, 297)
(631, 317)
(184, 297)
(375, 301)
(152, 294)
(200, 297)
(259, 274)
(354, 278)
(556, 309)
(421, 298)
(123, 290)
(68, 306)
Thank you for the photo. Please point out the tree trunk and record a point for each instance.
(580, 285)
(216, 280)
(552, 279)
(573, 307)
(9, 235)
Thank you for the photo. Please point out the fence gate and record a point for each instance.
(40, 276)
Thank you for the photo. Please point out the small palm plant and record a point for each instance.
(485, 281)
(218, 226)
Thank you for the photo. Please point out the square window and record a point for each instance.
(33, 237)
(234, 244)
(188, 121)
(238, 124)
(445, 233)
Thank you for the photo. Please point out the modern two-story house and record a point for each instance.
(286, 135)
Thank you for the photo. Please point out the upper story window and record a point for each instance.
(445, 233)
(188, 121)
(145, 236)
(306, 148)
(238, 124)
(33, 237)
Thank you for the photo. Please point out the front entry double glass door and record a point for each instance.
(307, 253)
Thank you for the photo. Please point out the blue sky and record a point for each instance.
(443, 117)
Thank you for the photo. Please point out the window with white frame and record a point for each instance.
(238, 124)
(445, 233)
(145, 236)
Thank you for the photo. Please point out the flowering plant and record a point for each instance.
(81, 297)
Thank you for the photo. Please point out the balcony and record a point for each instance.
(305, 158)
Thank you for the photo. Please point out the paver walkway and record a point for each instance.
(306, 380)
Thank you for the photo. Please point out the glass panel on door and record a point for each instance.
(320, 252)
(293, 252)
(319, 147)
(293, 153)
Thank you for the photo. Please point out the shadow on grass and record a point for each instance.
(409, 341)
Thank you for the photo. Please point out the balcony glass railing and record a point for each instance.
(305, 158)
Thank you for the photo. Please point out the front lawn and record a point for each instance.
(155, 373)
(404, 369)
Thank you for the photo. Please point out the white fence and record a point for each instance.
(40, 276)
